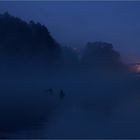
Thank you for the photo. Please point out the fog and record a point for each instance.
(95, 110)
(51, 91)
(99, 106)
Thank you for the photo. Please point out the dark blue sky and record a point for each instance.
(75, 23)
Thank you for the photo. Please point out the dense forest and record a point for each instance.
(26, 44)
(31, 46)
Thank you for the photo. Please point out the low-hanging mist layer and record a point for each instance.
(100, 95)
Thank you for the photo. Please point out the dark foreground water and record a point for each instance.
(91, 108)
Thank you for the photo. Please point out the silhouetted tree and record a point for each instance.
(27, 42)
(100, 55)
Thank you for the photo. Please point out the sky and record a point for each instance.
(74, 23)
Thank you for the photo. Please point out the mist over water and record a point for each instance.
(51, 91)
(96, 111)
(95, 106)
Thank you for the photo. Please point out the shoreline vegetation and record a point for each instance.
(38, 74)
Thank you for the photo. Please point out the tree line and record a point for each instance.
(29, 44)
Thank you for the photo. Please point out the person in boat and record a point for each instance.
(61, 94)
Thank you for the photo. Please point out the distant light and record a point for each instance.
(138, 68)
(135, 68)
